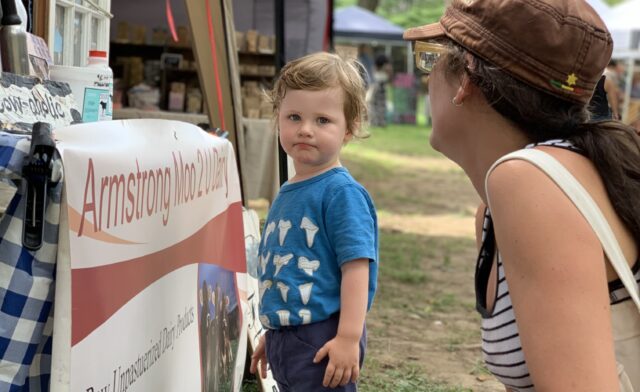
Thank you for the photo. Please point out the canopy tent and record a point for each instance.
(356, 22)
(624, 24)
(356, 25)
(624, 16)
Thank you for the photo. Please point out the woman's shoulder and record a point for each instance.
(521, 173)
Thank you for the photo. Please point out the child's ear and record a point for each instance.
(348, 136)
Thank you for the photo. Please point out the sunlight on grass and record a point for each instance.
(408, 140)
(448, 225)
(393, 161)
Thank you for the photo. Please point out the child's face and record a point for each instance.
(313, 128)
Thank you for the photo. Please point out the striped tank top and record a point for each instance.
(501, 348)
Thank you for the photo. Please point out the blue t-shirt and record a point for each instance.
(314, 227)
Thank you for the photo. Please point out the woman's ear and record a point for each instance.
(465, 89)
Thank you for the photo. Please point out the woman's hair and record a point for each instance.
(381, 61)
(613, 147)
(319, 71)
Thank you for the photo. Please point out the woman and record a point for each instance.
(510, 74)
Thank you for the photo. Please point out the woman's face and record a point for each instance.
(442, 89)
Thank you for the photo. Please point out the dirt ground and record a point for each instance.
(424, 317)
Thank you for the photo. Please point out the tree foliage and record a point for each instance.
(404, 13)
(370, 5)
(408, 13)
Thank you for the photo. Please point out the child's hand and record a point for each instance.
(259, 356)
(344, 361)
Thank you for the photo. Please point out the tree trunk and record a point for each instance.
(371, 5)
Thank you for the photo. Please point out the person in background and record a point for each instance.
(544, 288)
(365, 57)
(378, 101)
(319, 253)
(615, 73)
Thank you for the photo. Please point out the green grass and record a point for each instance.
(405, 258)
(407, 377)
(407, 140)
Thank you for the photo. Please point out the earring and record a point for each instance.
(453, 101)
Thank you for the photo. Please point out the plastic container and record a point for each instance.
(92, 86)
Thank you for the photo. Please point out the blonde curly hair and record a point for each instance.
(322, 70)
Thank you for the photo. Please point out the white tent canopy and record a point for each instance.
(624, 23)
(625, 16)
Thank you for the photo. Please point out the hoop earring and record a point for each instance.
(453, 101)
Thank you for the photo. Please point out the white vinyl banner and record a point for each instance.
(156, 250)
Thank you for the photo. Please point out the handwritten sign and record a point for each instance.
(26, 100)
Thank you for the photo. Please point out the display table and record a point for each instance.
(143, 257)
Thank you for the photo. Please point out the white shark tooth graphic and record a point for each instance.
(264, 286)
(284, 317)
(279, 261)
(305, 314)
(305, 292)
(310, 229)
(284, 227)
(265, 321)
(263, 262)
(308, 266)
(284, 289)
(267, 232)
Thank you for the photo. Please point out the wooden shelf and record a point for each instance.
(243, 53)
(146, 50)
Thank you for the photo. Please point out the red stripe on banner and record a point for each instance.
(170, 21)
(214, 56)
(99, 292)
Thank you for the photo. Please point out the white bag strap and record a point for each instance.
(585, 204)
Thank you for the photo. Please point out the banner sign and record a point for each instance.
(156, 250)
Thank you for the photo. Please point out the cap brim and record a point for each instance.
(433, 30)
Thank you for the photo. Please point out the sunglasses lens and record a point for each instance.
(426, 60)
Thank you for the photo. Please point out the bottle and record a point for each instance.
(92, 86)
(22, 13)
(13, 41)
(98, 60)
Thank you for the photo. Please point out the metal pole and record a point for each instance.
(283, 169)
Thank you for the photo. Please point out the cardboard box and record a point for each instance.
(252, 41)
(176, 101)
(194, 101)
(240, 41)
(139, 35)
(122, 32)
(266, 44)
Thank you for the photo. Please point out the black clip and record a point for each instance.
(37, 173)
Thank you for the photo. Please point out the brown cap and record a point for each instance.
(559, 46)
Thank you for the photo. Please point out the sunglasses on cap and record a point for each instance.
(427, 54)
